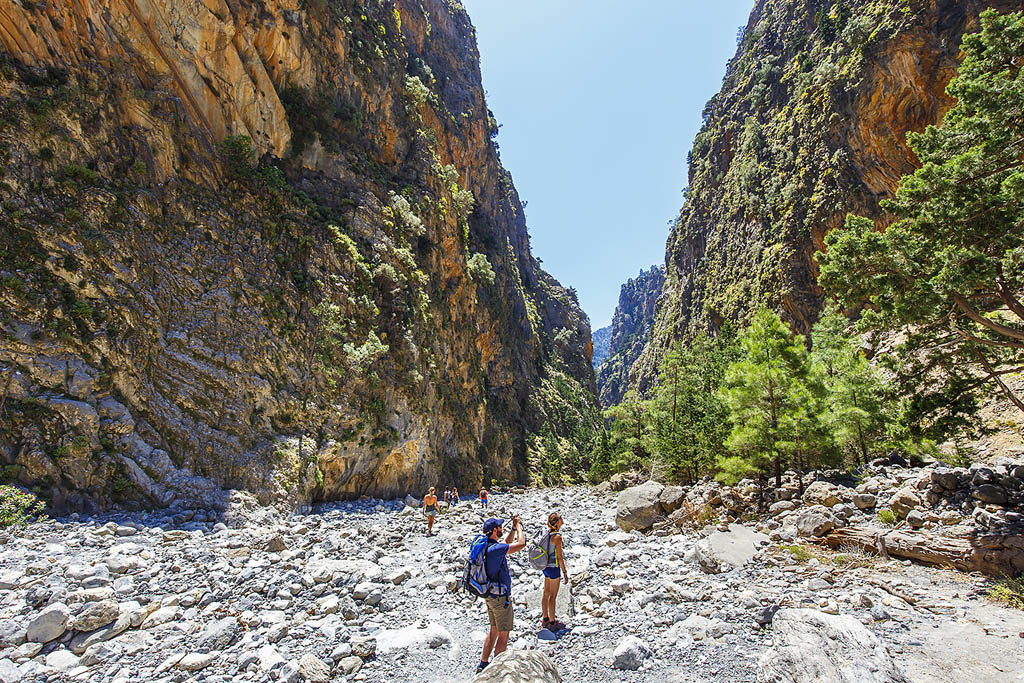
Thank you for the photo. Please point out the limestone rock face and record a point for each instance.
(639, 507)
(631, 326)
(266, 247)
(813, 647)
(770, 174)
(520, 666)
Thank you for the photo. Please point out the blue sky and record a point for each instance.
(599, 103)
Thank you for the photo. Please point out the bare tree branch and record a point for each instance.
(1003, 330)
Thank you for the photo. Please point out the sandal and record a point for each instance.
(555, 625)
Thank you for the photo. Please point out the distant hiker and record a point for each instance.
(483, 498)
(500, 612)
(548, 545)
(455, 496)
(430, 509)
(447, 495)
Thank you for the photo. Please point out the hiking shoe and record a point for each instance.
(481, 666)
(555, 625)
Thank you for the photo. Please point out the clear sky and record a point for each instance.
(599, 103)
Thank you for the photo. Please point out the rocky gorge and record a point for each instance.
(357, 591)
(263, 246)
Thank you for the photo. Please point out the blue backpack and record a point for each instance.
(475, 579)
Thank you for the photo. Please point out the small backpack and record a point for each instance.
(475, 579)
(541, 550)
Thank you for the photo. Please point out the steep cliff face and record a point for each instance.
(810, 124)
(631, 330)
(602, 346)
(264, 245)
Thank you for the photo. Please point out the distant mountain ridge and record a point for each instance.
(630, 331)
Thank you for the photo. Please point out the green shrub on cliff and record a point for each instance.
(950, 270)
(18, 507)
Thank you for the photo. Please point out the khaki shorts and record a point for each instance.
(500, 613)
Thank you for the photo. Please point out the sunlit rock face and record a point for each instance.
(810, 125)
(631, 329)
(351, 309)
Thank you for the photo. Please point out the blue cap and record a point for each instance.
(492, 524)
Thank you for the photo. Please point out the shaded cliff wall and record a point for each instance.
(349, 308)
(631, 330)
(810, 124)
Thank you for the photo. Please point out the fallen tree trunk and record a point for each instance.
(994, 554)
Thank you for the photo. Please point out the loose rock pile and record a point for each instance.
(357, 592)
(982, 507)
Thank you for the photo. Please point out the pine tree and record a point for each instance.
(856, 389)
(763, 393)
(950, 271)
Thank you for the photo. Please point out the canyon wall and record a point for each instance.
(263, 245)
(810, 125)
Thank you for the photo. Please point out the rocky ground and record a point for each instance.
(356, 591)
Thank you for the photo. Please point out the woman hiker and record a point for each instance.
(430, 509)
(455, 496)
(552, 573)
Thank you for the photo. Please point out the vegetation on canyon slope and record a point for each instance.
(950, 269)
(946, 274)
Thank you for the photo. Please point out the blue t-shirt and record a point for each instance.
(497, 564)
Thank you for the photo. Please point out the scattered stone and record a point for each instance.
(990, 493)
(864, 501)
(814, 522)
(520, 666)
(49, 624)
(630, 654)
(724, 551)
(314, 669)
(195, 662)
(822, 493)
(95, 615)
(276, 544)
(903, 501)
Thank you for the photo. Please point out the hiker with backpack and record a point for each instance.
(487, 576)
(546, 554)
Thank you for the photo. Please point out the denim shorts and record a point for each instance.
(552, 573)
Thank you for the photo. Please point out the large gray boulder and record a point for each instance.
(822, 493)
(723, 551)
(520, 666)
(815, 521)
(813, 647)
(639, 507)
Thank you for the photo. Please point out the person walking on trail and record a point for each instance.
(500, 612)
(483, 498)
(430, 509)
(447, 495)
(555, 570)
(455, 496)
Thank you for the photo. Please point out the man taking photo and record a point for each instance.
(499, 608)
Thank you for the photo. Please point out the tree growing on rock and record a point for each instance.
(948, 272)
